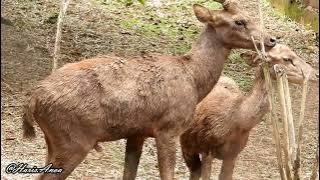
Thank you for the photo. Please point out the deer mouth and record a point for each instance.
(269, 46)
(296, 76)
(268, 43)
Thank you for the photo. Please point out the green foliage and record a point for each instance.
(294, 11)
(212, 5)
(126, 2)
(172, 27)
(237, 69)
(142, 1)
(53, 18)
(235, 57)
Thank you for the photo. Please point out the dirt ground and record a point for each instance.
(94, 27)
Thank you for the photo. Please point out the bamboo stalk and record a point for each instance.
(287, 158)
(255, 47)
(63, 8)
(272, 117)
(291, 130)
(285, 100)
(263, 51)
(291, 148)
(297, 162)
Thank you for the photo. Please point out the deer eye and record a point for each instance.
(239, 22)
(288, 60)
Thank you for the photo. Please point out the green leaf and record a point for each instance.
(129, 2)
(142, 1)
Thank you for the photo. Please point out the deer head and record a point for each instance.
(296, 68)
(233, 26)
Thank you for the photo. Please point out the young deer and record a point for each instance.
(224, 118)
(110, 98)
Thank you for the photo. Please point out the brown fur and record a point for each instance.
(109, 98)
(225, 117)
(296, 69)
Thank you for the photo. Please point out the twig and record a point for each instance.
(63, 9)
(287, 157)
(276, 133)
(274, 120)
(272, 116)
(266, 159)
(297, 169)
(11, 105)
(255, 47)
(262, 29)
(291, 130)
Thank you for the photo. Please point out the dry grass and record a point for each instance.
(93, 29)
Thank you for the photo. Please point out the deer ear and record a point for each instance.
(203, 14)
(251, 58)
(230, 5)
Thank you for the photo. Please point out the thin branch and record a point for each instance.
(272, 116)
(275, 126)
(291, 130)
(263, 51)
(63, 9)
(287, 157)
(274, 120)
(255, 47)
(297, 163)
(11, 105)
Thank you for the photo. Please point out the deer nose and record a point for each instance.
(314, 77)
(273, 40)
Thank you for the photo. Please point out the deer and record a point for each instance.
(225, 117)
(117, 97)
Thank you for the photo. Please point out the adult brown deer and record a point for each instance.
(106, 99)
(225, 117)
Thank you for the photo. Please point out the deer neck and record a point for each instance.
(207, 57)
(256, 104)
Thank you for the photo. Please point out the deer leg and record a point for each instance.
(227, 169)
(194, 165)
(133, 153)
(206, 165)
(166, 147)
(49, 149)
(67, 158)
